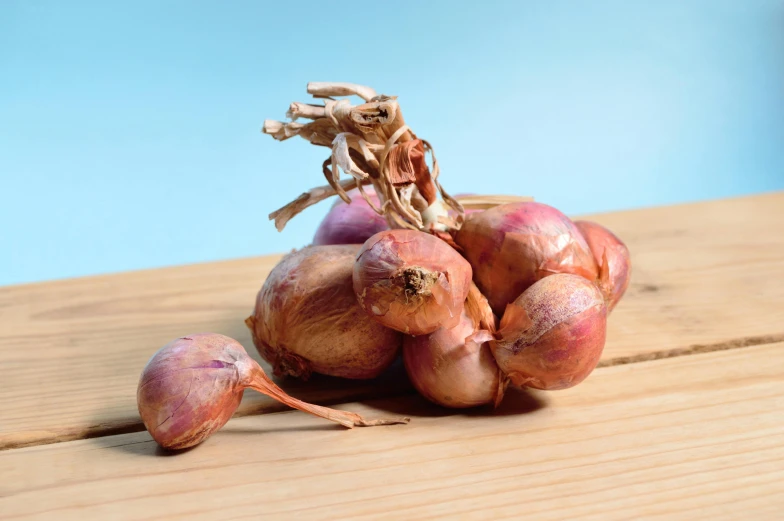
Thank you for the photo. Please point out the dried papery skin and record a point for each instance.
(411, 281)
(553, 335)
(511, 246)
(407, 165)
(478, 308)
(612, 256)
(192, 386)
(307, 319)
(455, 367)
(352, 223)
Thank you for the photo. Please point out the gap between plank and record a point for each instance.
(20, 440)
(693, 350)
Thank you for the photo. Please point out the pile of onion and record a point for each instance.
(346, 310)
(478, 297)
(552, 282)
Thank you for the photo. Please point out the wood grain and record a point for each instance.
(706, 276)
(696, 437)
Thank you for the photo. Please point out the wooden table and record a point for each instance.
(683, 420)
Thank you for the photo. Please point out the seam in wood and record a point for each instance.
(693, 350)
(21, 440)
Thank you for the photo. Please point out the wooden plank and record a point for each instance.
(703, 274)
(694, 437)
(72, 350)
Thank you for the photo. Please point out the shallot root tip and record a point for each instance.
(417, 280)
(382, 421)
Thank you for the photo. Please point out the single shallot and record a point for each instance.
(612, 255)
(552, 336)
(513, 245)
(307, 318)
(411, 281)
(351, 223)
(454, 367)
(191, 387)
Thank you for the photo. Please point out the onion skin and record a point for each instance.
(307, 319)
(612, 256)
(513, 245)
(191, 387)
(352, 223)
(455, 367)
(553, 335)
(411, 281)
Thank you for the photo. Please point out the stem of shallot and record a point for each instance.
(261, 382)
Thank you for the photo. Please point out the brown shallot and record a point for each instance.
(307, 319)
(513, 245)
(454, 367)
(612, 255)
(552, 336)
(351, 223)
(411, 281)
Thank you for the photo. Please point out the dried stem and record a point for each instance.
(313, 196)
(305, 110)
(327, 90)
(262, 383)
(372, 143)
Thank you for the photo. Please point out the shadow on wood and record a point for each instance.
(515, 402)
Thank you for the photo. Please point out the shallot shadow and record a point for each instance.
(516, 402)
(141, 444)
(328, 426)
(137, 441)
(137, 444)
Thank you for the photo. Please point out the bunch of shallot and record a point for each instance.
(484, 291)
(476, 293)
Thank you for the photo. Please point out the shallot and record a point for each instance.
(191, 387)
(351, 223)
(411, 281)
(513, 245)
(552, 336)
(307, 318)
(454, 367)
(612, 255)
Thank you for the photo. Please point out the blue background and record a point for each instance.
(129, 132)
